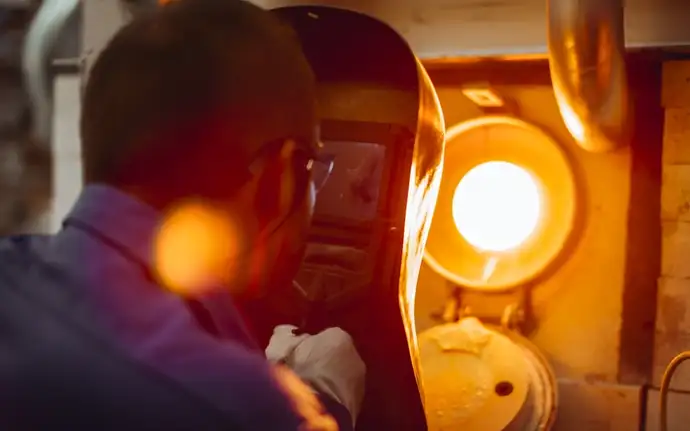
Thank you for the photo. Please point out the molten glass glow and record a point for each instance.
(496, 206)
(194, 249)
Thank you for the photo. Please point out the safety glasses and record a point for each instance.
(310, 162)
(320, 166)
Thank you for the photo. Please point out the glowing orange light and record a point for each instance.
(194, 249)
(496, 206)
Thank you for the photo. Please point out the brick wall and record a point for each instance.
(673, 314)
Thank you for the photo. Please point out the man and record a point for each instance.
(200, 143)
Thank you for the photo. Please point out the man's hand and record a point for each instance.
(304, 401)
(328, 361)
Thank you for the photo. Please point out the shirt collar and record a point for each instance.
(120, 218)
(131, 225)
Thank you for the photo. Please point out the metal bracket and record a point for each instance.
(511, 310)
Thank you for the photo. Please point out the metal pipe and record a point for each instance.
(41, 38)
(586, 48)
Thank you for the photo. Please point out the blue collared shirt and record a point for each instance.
(105, 247)
(112, 234)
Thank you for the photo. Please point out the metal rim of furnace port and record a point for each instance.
(543, 392)
(502, 138)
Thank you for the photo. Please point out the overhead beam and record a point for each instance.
(468, 28)
(456, 28)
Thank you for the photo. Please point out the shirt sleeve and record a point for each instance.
(338, 411)
(234, 379)
(154, 367)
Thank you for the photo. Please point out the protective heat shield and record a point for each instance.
(382, 124)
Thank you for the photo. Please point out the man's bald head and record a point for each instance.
(192, 63)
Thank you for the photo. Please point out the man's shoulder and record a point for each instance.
(153, 330)
(33, 244)
(16, 251)
(77, 357)
(27, 269)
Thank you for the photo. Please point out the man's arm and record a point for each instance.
(239, 382)
(217, 314)
(329, 363)
(162, 372)
(338, 412)
(308, 403)
(320, 410)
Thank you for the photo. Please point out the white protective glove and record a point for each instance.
(328, 361)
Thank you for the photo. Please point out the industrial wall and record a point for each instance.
(593, 315)
(580, 304)
(673, 316)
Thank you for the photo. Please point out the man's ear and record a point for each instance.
(275, 189)
(288, 180)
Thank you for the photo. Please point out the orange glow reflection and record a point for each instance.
(572, 121)
(425, 181)
(194, 248)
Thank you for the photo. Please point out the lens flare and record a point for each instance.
(497, 206)
(195, 248)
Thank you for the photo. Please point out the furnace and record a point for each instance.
(507, 206)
